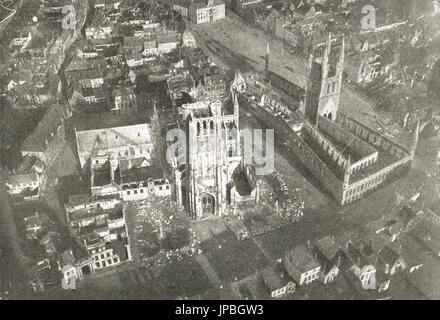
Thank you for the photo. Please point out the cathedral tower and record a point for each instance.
(313, 90)
(331, 85)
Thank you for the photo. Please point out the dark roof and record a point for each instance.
(16, 179)
(388, 255)
(406, 214)
(46, 128)
(119, 248)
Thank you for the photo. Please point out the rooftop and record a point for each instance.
(106, 139)
(302, 259)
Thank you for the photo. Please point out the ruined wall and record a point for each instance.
(299, 148)
(345, 137)
(359, 188)
(326, 146)
(286, 86)
(369, 135)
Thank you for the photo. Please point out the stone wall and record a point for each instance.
(348, 191)
(299, 149)
(369, 135)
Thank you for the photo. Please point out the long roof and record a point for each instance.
(110, 138)
(46, 129)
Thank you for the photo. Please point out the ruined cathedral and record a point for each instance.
(213, 177)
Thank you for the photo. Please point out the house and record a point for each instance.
(50, 242)
(47, 138)
(21, 40)
(24, 184)
(410, 252)
(133, 44)
(408, 217)
(84, 210)
(433, 213)
(92, 95)
(124, 100)
(301, 265)
(78, 64)
(98, 225)
(36, 225)
(178, 83)
(106, 4)
(388, 226)
(362, 267)
(242, 5)
(389, 261)
(364, 68)
(188, 40)
(103, 31)
(74, 266)
(119, 142)
(168, 42)
(150, 48)
(277, 280)
(139, 180)
(90, 78)
(327, 253)
(87, 53)
(84, 202)
(182, 7)
(206, 11)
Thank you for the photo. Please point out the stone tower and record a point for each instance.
(313, 90)
(213, 154)
(331, 82)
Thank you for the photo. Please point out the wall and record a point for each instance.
(299, 149)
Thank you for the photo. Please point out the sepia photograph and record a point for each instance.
(225, 156)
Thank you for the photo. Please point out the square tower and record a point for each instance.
(213, 154)
(331, 84)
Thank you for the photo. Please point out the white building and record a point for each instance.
(121, 142)
(209, 11)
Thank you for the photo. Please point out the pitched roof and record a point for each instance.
(328, 247)
(110, 138)
(301, 259)
(16, 179)
(46, 129)
(388, 255)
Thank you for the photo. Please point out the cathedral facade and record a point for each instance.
(205, 184)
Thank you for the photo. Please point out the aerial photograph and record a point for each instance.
(220, 150)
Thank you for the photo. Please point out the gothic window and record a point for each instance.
(231, 151)
(198, 128)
